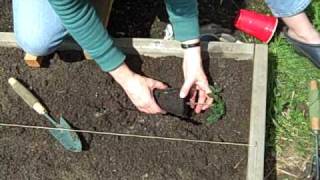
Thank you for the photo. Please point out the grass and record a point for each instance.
(288, 132)
(314, 13)
(288, 94)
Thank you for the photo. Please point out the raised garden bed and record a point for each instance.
(90, 99)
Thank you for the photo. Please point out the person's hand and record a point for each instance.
(139, 89)
(195, 80)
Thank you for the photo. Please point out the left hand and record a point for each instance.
(195, 80)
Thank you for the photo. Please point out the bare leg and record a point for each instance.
(301, 29)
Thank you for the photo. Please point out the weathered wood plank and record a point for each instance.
(7, 39)
(33, 61)
(156, 47)
(258, 114)
(103, 8)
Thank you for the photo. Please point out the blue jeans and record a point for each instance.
(286, 8)
(37, 27)
(39, 31)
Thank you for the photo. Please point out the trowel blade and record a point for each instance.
(70, 140)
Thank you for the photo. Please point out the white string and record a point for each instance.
(126, 135)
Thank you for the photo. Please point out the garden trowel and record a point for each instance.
(68, 139)
(314, 113)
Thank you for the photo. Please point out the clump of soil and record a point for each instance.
(90, 99)
(6, 19)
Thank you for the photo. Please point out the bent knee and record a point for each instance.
(37, 45)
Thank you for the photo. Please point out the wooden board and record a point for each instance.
(258, 114)
(156, 47)
(103, 8)
(33, 61)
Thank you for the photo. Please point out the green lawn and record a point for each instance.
(288, 134)
(289, 78)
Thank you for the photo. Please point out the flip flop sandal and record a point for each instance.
(311, 51)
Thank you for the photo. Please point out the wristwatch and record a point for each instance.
(191, 45)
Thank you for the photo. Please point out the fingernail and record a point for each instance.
(182, 95)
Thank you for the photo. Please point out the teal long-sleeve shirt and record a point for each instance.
(82, 22)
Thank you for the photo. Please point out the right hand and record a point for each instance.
(139, 89)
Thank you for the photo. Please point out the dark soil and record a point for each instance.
(90, 99)
(146, 18)
(6, 19)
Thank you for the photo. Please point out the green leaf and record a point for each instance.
(218, 108)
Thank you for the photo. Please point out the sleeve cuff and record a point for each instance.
(111, 60)
(187, 29)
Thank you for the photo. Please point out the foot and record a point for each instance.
(305, 46)
(311, 37)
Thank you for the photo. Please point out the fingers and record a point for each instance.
(185, 88)
(204, 86)
(151, 108)
(154, 107)
(208, 103)
(193, 94)
(201, 101)
(140, 92)
(144, 99)
(159, 85)
(154, 84)
(209, 100)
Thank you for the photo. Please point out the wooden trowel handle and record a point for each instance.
(314, 106)
(27, 96)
